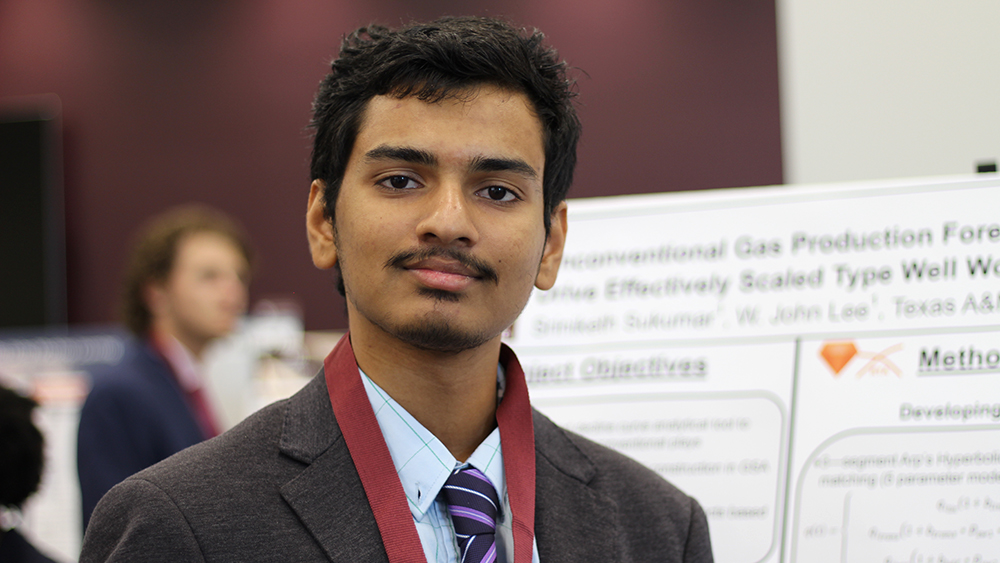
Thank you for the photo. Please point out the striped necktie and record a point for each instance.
(472, 502)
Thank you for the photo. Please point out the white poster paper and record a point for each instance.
(798, 316)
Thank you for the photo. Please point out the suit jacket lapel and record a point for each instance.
(562, 495)
(330, 501)
(327, 496)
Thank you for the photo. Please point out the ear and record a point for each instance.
(552, 255)
(319, 229)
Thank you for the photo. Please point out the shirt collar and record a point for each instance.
(422, 462)
(185, 366)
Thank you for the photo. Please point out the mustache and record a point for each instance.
(480, 268)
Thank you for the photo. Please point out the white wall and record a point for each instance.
(888, 88)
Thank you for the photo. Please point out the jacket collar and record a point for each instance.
(563, 475)
(327, 495)
(329, 499)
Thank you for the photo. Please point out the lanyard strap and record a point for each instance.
(378, 474)
(517, 438)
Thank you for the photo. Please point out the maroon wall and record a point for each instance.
(169, 101)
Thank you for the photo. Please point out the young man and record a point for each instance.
(185, 286)
(442, 157)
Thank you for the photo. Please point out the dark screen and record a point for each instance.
(32, 278)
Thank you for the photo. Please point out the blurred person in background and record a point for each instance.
(186, 285)
(21, 461)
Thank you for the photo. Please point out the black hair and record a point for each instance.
(21, 449)
(437, 60)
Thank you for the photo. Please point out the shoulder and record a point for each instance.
(140, 522)
(227, 492)
(642, 499)
(139, 388)
(212, 466)
(170, 508)
(134, 372)
(600, 466)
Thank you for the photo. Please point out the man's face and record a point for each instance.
(439, 222)
(205, 292)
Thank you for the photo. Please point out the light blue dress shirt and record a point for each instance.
(423, 464)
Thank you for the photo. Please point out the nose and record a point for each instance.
(448, 217)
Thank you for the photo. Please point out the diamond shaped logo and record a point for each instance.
(838, 354)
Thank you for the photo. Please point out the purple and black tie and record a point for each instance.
(472, 502)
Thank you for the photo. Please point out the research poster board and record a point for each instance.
(818, 365)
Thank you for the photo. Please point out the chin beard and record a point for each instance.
(439, 336)
(431, 334)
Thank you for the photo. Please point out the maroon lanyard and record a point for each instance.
(378, 474)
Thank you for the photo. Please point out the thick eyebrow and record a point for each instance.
(496, 164)
(405, 154)
(478, 164)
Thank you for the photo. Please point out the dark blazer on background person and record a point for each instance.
(282, 486)
(135, 416)
(14, 548)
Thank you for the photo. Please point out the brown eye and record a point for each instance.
(497, 193)
(399, 182)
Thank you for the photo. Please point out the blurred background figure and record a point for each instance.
(21, 461)
(185, 286)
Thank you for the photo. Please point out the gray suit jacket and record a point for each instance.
(281, 486)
